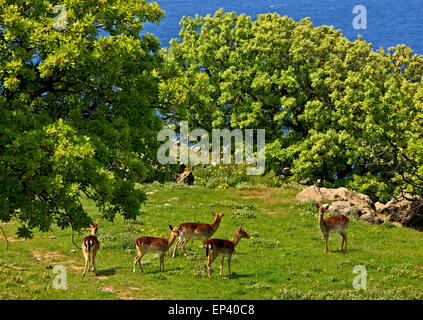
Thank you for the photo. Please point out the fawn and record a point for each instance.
(227, 247)
(338, 223)
(197, 230)
(90, 245)
(161, 245)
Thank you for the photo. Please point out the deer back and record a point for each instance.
(219, 245)
(148, 243)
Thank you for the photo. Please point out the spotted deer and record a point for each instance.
(90, 245)
(190, 230)
(226, 247)
(154, 244)
(338, 223)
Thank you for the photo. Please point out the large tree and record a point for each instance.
(78, 87)
(325, 102)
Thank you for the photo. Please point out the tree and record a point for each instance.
(77, 118)
(322, 99)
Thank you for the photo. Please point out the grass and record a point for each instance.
(283, 260)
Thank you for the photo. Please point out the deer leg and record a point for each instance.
(176, 247)
(345, 235)
(221, 265)
(87, 262)
(326, 243)
(138, 260)
(343, 240)
(162, 262)
(229, 265)
(183, 246)
(93, 261)
(212, 256)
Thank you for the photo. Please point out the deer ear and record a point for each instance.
(214, 214)
(170, 227)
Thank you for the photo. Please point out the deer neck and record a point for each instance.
(94, 233)
(215, 223)
(236, 238)
(322, 220)
(170, 240)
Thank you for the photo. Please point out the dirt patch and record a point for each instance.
(271, 212)
(46, 256)
(107, 289)
(251, 194)
(77, 267)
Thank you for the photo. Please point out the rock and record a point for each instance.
(20, 268)
(287, 171)
(305, 182)
(343, 201)
(73, 251)
(49, 266)
(186, 177)
(52, 237)
(408, 211)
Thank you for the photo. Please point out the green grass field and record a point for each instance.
(284, 259)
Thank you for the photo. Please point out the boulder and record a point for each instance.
(407, 210)
(343, 201)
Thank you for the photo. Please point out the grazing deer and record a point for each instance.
(190, 230)
(90, 245)
(161, 245)
(338, 223)
(227, 247)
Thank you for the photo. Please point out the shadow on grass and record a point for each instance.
(107, 272)
(343, 251)
(235, 276)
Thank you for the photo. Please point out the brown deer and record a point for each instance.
(338, 223)
(154, 244)
(90, 245)
(190, 230)
(227, 247)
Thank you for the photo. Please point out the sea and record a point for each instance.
(384, 23)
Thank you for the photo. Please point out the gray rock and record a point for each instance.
(343, 201)
(408, 211)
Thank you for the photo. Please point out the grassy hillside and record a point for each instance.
(283, 260)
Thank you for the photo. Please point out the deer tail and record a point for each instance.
(208, 248)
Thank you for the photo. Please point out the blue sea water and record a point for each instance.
(389, 22)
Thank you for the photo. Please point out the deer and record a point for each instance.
(90, 245)
(154, 244)
(226, 247)
(338, 223)
(190, 230)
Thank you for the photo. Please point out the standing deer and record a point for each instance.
(227, 247)
(190, 230)
(154, 244)
(90, 245)
(338, 223)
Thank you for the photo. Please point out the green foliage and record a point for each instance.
(76, 110)
(332, 109)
